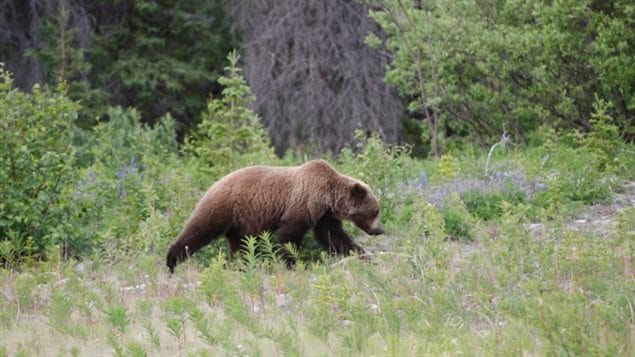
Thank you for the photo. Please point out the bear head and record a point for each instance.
(360, 206)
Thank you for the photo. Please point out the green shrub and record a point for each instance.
(584, 167)
(457, 220)
(489, 205)
(136, 193)
(602, 145)
(625, 221)
(448, 167)
(215, 282)
(36, 156)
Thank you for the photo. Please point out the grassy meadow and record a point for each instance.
(502, 264)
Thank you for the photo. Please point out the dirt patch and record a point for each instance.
(598, 219)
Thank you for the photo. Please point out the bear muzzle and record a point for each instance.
(375, 228)
(376, 231)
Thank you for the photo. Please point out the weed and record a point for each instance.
(177, 311)
(59, 312)
(134, 349)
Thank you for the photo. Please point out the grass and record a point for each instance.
(507, 291)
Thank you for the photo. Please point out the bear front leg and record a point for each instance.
(290, 232)
(330, 233)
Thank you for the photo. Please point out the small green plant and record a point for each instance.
(146, 309)
(59, 312)
(152, 335)
(10, 253)
(119, 320)
(270, 251)
(287, 338)
(86, 300)
(210, 335)
(202, 326)
(74, 351)
(176, 327)
(24, 286)
(448, 167)
(251, 278)
(177, 310)
(214, 281)
(602, 144)
(237, 311)
(330, 301)
(457, 221)
(135, 349)
(489, 205)
(625, 224)
(433, 223)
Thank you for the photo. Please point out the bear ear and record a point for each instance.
(358, 191)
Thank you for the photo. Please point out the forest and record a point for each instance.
(497, 136)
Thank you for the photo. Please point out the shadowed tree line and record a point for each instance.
(160, 57)
(165, 57)
(434, 74)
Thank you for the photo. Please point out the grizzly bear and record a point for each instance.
(287, 200)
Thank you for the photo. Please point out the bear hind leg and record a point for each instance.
(194, 236)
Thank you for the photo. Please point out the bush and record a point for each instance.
(36, 156)
(602, 144)
(489, 205)
(136, 190)
(457, 220)
(586, 167)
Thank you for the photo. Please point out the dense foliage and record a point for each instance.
(128, 190)
(481, 68)
(79, 191)
(37, 161)
(159, 57)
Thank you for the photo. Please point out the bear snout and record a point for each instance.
(376, 231)
(374, 228)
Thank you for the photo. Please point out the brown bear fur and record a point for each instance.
(287, 200)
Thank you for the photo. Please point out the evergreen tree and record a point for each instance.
(229, 135)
